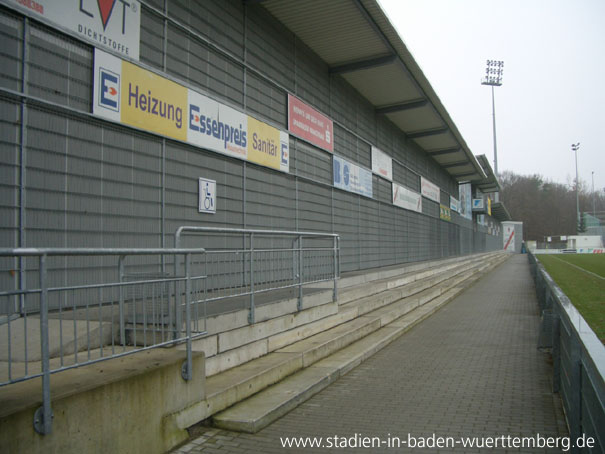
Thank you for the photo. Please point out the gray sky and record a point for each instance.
(553, 91)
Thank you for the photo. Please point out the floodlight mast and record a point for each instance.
(575, 147)
(493, 77)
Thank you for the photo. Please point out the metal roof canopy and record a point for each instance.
(358, 42)
(489, 184)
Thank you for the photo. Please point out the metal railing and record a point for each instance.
(246, 263)
(578, 359)
(81, 306)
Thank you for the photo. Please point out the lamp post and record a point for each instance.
(594, 213)
(493, 77)
(575, 147)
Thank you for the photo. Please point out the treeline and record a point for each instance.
(545, 207)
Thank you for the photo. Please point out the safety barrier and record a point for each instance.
(248, 262)
(56, 323)
(578, 358)
(63, 308)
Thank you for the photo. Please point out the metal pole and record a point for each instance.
(593, 200)
(43, 416)
(494, 127)
(576, 147)
(335, 292)
(121, 303)
(251, 314)
(300, 272)
(186, 371)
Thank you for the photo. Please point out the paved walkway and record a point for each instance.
(472, 369)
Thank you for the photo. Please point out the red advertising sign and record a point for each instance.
(310, 125)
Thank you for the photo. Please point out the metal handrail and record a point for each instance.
(43, 415)
(297, 257)
(578, 357)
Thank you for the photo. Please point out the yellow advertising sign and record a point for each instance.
(489, 206)
(264, 144)
(153, 103)
(128, 94)
(445, 213)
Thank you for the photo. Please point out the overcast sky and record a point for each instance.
(553, 91)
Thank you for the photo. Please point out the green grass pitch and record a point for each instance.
(572, 273)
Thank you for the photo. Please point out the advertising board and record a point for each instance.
(309, 124)
(429, 190)
(131, 95)
(404, 198)
(113, 25)
(350, 177)
(382, 164)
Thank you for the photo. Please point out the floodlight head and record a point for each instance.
(493, 67)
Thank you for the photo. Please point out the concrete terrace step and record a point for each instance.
(394, 319)
(240, 344)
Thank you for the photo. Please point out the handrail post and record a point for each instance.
(177, 297)
(121, 302)
(335, 292)
(186, 370)
(251, 313)
(43, 416)
(300, 272)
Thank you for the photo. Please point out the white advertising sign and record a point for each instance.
(204, 113)
(478, 205)
(382, 164)
(207, 196)
(465, 191)
(404, 198)
(454, 204)
(430, 190)
(113, 25)
(509, 238)
(351, 177)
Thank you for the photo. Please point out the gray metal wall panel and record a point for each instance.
(265, 100)
(366, 120)
(430, 208)
(369, 233)
(270, 199)
(184, 166)
(383, 191)
(11, 48)
(60, 68)
(312, 163)
(270, 47)
(346, 224)
(343, 103)
(388, 234)
(9, 172)
(345, 143)
(314, 207)
(312, 79)
(151, 50)
(445, 199)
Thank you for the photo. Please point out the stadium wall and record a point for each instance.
(72, 179)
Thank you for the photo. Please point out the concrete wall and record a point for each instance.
(125, 415)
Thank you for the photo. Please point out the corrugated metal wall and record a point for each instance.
(71, 180)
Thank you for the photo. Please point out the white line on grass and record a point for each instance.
(580, 268)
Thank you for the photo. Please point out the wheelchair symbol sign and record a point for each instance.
(207, 198)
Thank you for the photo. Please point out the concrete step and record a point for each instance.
(242, 344)
(269, 405)
(396, 318)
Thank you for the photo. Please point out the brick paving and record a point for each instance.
(472, 369)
